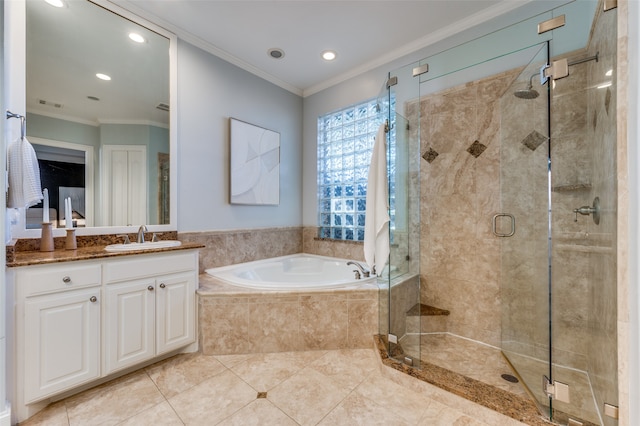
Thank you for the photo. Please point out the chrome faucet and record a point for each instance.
(362, 270)
(141, 232)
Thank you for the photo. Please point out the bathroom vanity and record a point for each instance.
(78, 323)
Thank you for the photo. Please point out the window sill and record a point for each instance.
(338, 241)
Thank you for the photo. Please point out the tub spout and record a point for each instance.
(362, 271)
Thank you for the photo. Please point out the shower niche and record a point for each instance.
(515, 285)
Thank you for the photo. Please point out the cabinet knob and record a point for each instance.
(66, 279)
(162, 285)
(93, 299)
(150, 288)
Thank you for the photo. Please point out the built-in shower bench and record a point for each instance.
(432, 319)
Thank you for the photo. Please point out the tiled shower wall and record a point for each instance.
(601, 324)
(460, 191)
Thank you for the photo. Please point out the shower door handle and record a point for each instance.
(494, 226)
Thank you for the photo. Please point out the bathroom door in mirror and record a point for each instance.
(66, 171)
(95, 78)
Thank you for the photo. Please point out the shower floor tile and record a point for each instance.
(469, 358)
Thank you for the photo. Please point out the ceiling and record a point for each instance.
(365, 34)
(66, 47)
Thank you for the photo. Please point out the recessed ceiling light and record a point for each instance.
(276, 53)
(328, 55)
(605, 84)
(55, 3)
(609, 73)
(136, 37)
(103, 77)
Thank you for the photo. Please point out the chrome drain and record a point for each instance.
(510, 378)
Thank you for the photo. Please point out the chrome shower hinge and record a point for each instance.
(551, 24)
(611, 410)
(555, 390)
(557, 70)
(420, 70)
(610, 4)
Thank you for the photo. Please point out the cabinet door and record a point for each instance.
(129, 323)
(175, 311)
(62, 341)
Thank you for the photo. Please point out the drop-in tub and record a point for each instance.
(291, 303)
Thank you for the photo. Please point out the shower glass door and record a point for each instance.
(522, 226)
(583, 256)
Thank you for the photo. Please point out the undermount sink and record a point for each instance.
(143, 246)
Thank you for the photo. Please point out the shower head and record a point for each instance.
(528, 93)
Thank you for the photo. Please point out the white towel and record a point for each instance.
(376, 225)
(24, 175)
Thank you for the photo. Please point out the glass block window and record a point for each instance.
(345, 143)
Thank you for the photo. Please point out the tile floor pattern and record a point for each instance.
(336, 387)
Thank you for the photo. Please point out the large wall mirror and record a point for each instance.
(100, 98)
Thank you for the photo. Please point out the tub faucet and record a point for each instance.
(141, 232)
(364, 272)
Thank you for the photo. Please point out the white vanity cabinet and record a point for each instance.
(79, 322)
(61, 327)
(130, 325)
(151, 314)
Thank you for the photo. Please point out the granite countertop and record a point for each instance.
(37, 257)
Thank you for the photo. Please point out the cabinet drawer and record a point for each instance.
(53, 278)
(144, 266)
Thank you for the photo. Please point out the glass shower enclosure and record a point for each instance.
(505, 233)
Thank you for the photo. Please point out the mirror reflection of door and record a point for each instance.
(65, 169)
(124, 193)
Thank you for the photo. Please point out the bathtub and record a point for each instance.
(299, 272)
(299, 302)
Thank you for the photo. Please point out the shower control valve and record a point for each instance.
(584, 210)
(590, 210)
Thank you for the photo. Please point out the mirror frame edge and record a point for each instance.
(15, 72)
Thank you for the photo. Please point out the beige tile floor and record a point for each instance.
(341, 387)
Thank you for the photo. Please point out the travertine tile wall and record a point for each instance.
(624, 325)
(460, 191)
(323, 247)
(230, 247)
(601, 326)
(237, 246)
(355, 250)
